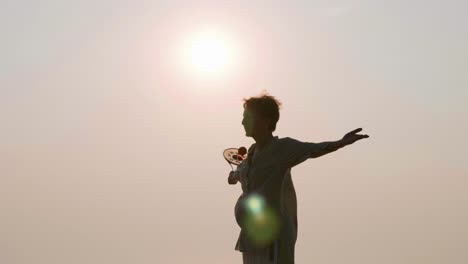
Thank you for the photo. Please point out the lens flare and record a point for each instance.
(255, 203)
(259, 220)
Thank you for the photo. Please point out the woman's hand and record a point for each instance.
(233, 177)
(352, 137)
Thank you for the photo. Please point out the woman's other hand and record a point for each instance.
(233, 177)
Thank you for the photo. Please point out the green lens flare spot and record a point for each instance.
(261, 223)
(255, 204)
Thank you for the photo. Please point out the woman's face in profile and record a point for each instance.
(253, 123)
(248, 121)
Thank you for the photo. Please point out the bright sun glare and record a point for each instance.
(209, 53)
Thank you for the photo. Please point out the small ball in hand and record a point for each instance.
(242, 151)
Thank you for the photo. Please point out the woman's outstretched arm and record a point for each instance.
(330, 146)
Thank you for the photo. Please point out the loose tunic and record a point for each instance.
(270, 176)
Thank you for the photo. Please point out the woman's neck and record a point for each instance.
(262, 141)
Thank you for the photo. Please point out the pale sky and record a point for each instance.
(110, 146)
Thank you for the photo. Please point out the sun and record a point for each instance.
(209, 53)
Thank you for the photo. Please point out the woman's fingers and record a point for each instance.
(355, 131)
(232, 178)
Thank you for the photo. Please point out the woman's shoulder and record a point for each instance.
(290, 142)
(287, 139)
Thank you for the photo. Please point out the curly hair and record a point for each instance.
(266, 106)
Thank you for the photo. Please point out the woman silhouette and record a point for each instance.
(267, 209)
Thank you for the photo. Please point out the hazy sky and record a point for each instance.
(110, 148)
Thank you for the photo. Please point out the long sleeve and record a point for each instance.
(295, 152)
(241, 173)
